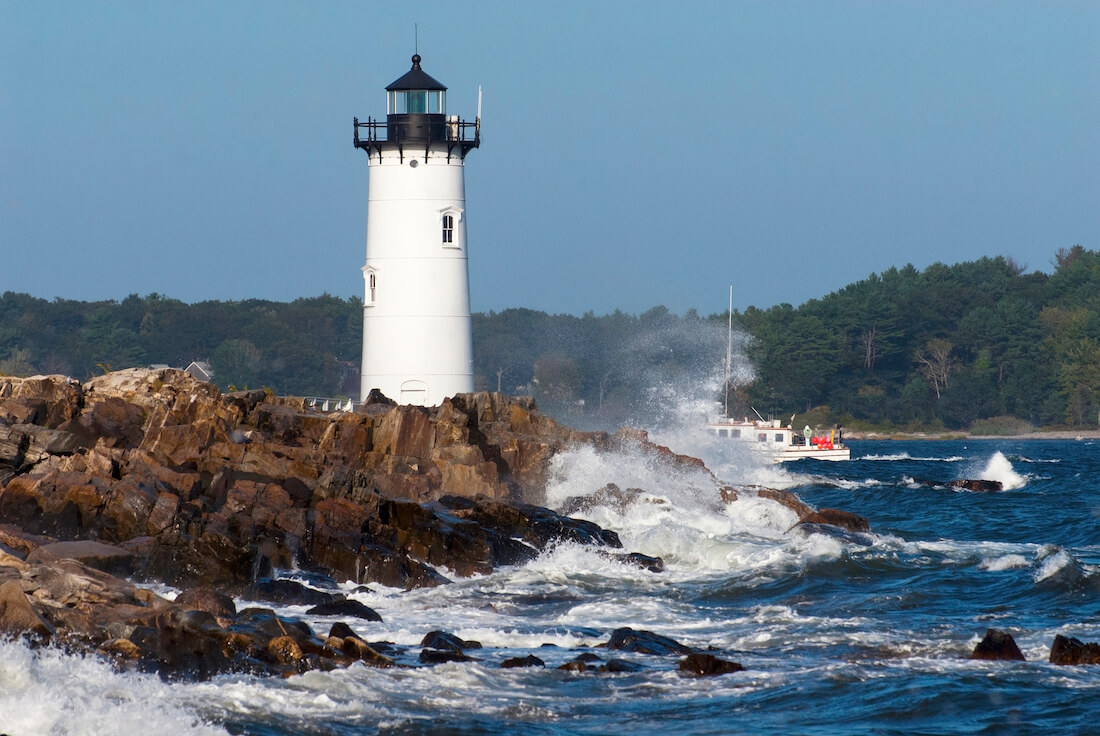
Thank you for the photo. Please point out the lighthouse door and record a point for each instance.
(414, 392)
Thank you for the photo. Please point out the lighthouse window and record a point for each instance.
(372, 286)
(418, 102)
(415, 102)
(448, 228)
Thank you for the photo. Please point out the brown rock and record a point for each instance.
(18, 617)
(120, 649)
(1067, 650)
(358, 649)
(701, 664)
(997, 645)
(284, 650)
(836, 517)
(104, 557)
(207, 599)
(529, 661)
(62, 398)
(788, 499)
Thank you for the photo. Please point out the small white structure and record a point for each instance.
(417, 342)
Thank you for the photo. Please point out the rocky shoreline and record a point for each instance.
(143, 477)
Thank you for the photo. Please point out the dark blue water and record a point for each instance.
(839, 633)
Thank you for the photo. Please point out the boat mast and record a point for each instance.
(729, 355)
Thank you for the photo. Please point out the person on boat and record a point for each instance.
(808, 434)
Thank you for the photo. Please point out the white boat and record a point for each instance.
(782, 444)
(769, 436)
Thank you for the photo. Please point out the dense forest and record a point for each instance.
(977, 345)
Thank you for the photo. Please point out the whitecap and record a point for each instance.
(46, 691)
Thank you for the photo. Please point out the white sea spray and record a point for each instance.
(44, 691)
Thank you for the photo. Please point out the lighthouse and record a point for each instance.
(417, 343)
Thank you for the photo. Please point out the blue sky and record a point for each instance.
(203, 150)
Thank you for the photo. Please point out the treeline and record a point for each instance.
(949, 346)
(294, 347)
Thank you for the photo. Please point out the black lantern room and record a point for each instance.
(416, 107)
(416, 117)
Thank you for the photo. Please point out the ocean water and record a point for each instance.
(853, 633)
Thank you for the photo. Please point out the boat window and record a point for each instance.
(779, 437)
(737, 433)
(722, 433)
(762, 437)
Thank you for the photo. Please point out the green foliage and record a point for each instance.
(947, 348)
(294, 348)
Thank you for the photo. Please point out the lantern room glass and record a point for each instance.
(416, 102)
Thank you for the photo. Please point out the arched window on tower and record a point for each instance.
(448, 229)
(370, 277)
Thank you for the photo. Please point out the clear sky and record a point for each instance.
(633, 153)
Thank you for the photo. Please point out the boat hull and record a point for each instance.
(782, 444)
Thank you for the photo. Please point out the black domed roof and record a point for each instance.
(415, 78)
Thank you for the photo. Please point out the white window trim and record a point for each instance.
(456, 231)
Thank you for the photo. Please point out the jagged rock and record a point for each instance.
(55, 398)
(701, 664)
(997, 645)
(347, 607)
(644, 642)
(1067, 650)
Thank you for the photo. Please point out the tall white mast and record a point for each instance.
(729, 354)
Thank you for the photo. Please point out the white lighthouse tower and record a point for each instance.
(417, 344)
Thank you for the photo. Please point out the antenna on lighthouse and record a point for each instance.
(477, 120)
